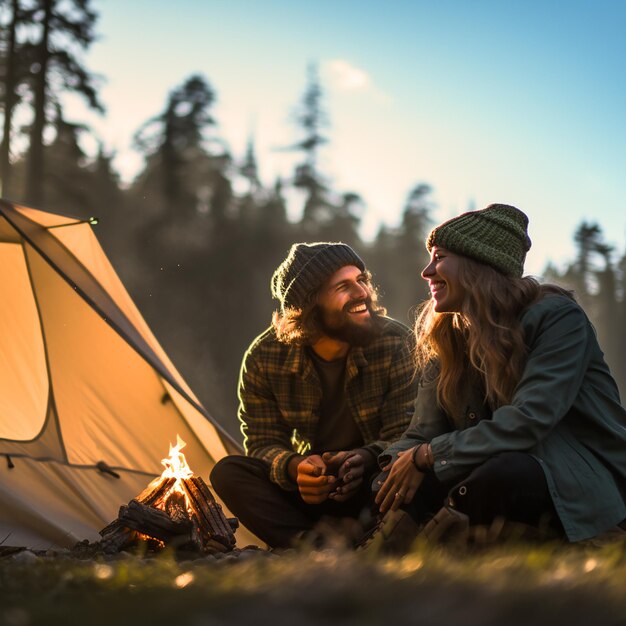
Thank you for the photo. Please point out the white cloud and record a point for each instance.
(346, 77)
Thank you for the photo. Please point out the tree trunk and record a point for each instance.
(9, 103)
(35, 172)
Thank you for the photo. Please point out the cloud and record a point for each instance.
(346, 77)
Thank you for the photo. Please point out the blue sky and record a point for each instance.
(509, 101)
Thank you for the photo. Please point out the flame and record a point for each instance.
(176, 464)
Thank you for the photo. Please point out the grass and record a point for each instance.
(509, 585)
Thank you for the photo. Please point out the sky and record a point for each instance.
(520, 102)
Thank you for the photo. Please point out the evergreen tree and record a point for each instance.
(175, 147)
(399, 256)
(108, 203)
(619, 339)
(340, 219)
(249, 169)
(65, 28)
(595, 279)
(193, 252)
(67, 182)
(10, 79)
(311, 119)
(588, 239)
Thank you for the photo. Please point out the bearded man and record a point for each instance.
(322, 392)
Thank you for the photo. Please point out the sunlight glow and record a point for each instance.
(590, 565)
(103, 571)
(186, 578)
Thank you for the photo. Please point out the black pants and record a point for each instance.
(274, 515)
(511, 485)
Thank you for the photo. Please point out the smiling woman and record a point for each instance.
(517, 415)
(442, 274)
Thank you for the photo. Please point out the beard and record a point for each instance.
(338, 324)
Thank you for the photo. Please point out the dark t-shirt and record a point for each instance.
(336, 429)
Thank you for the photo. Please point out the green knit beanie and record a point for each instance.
(496, 235)
(306, 267)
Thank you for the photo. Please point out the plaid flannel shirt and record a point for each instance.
(280, 395)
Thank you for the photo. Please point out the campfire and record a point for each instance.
(177, 509)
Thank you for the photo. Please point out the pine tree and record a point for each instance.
(399, 256)
(66, 27)
(182, 177)
(249, 168)
(311, 119)
(10, 81)
(67, 182)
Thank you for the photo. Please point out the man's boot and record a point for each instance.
(448, 526)
(394, 534)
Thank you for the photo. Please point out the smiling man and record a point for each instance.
(322, 392)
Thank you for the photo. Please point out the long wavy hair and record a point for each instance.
(301, 325)
(483, 341)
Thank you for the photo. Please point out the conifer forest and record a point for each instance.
(196, 235)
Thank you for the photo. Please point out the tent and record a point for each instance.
(89, 401)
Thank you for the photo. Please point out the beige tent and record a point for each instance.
(84, 387)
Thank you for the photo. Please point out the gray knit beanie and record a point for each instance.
(306, 267)
(496, 235)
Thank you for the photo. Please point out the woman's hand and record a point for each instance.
(401, 484)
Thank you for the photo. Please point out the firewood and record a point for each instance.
(192, 520)
(112, 527)
(229, 525)
(155, 491)
(116, 538)
(176, 507)
(208, 512)
(153, 522)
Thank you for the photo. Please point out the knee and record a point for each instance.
(499, 475)
(230, 472)
(224, 473)
(505, 468)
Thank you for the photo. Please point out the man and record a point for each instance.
(322, 392)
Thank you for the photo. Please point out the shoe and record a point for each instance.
(393, 535)
(447, 526)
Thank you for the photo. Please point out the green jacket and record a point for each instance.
(565, 412)
(280, 396)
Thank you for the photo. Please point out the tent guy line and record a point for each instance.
(98, 465)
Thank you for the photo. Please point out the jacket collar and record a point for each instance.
(298, 362)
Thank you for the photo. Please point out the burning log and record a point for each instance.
(156, 492)
(159, 525)
(209, 512)
(177, 509)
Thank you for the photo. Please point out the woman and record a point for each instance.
(517, 415)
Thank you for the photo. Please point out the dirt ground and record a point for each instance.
(505, 586)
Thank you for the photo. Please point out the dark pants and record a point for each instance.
(511, 485)
(274, 515)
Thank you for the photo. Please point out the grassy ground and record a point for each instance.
(508, 585)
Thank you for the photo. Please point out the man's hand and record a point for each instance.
(402, 483)
(349, 466)
(314, 483)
